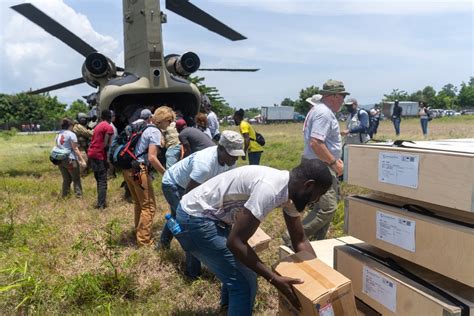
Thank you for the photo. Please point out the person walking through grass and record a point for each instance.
(424, 114)
(97, 153)
(70, 167)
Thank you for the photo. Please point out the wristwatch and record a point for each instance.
(332, 162)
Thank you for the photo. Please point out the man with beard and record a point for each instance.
(218, 218)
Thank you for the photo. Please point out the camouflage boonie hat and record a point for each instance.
(333, 87)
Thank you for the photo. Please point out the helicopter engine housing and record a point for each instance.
(182, 65)
(96, 67)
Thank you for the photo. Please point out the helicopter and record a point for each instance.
(149, 78)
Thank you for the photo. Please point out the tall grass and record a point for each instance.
(61, 255)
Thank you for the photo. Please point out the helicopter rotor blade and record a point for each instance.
(58, 86)
(230, 69)
(198, 16)
(38, 17)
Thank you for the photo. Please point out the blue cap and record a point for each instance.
(168, 216)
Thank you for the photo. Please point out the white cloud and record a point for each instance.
(34, 58)
(295, 43)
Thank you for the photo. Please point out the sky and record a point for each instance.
(372, 46)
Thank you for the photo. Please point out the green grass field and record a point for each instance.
(61, 255)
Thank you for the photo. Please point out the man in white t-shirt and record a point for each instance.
(189, 173)
(218, 218)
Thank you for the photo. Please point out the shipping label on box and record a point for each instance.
(434, 243)
(399, 169)
(392, 293)
(380, 288)
(396, 230)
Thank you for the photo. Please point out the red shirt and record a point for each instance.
(96, 148)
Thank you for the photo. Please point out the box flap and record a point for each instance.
(320, 278)
(259, 237)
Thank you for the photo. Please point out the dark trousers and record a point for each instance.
(254, 158)
(100, 173)
(396, 124)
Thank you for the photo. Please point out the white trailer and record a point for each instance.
(277, 114)
(409, 108)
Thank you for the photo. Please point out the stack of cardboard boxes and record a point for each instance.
(418, 228)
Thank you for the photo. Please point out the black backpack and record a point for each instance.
(122, 150)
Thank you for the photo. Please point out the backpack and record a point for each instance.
(429, 114)
(59, 154)
(259, 139)
(122, 149)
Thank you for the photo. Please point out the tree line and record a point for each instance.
(47, 110)
(22, 108)
(449, 97)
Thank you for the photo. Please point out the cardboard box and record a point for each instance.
(390, 293)
(324, 249)
(259, 241)
(443, 175)
(441, 246)
(324, 291)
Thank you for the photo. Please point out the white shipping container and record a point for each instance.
(277, 113)
(409, 108)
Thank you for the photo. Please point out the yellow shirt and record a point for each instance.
(245, 127)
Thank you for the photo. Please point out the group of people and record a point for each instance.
(424, 114)
(219, 207)
(88, 149)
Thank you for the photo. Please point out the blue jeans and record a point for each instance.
(172, 155)
(424, 125)
(254, 158)
(396, 124)
(206, 239)
(173, 194)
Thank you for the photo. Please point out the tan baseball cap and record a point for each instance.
(350, 101)
(233, 143)
(315, 99)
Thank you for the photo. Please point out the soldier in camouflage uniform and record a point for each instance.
(84, 136)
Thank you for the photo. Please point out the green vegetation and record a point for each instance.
(63, 256)
(449, 97)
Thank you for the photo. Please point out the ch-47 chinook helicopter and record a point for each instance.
(149, 78)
